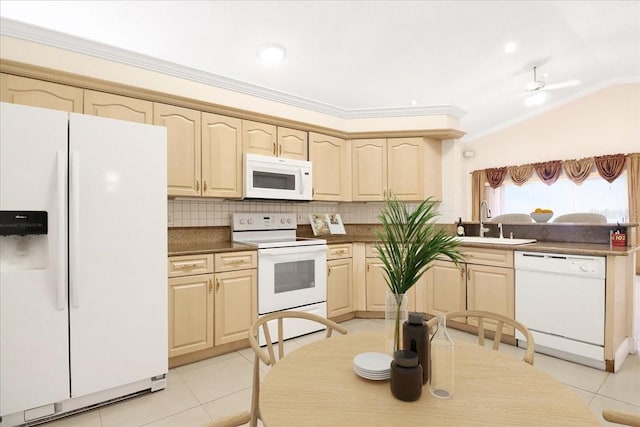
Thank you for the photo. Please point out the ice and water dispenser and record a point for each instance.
(23, 240)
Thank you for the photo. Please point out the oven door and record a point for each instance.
(291, 277)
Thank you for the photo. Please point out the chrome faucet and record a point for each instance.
(500, 229)
(487, 215)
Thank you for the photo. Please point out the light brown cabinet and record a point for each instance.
(117, 107)
(221, 156)
(183, 148)
(331, 160)
(486, 282)
(236, 295)
(376, 285)
(396, 166)
(38, 93)
(446, 288)
(190, 302)
(339, 280)
(271, 140)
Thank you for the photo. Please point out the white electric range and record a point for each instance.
(292, 271)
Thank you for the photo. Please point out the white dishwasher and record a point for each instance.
(561, 299)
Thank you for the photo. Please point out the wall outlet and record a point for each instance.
(169, 220)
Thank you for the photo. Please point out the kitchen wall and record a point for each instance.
(603, 122)
(209, 213)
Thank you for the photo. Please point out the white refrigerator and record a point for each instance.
(83, 261)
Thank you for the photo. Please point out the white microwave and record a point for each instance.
(268, 177)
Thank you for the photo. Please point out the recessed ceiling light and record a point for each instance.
(510, 47)
(271, 54)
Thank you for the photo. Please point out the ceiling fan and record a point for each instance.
(540, 85)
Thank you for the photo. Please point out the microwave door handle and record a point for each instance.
(301, 181)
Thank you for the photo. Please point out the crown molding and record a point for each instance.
(32, 33)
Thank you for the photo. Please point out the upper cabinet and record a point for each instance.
(408, 168)
(331, 160)
(221, 156)
(271, 140)
(183, 148)
(38, 93)
(118, 107)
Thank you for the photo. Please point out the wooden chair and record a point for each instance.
(623, 418)
(501, 321)
(268, 356)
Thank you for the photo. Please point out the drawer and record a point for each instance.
(228, 261)
(495, 257)
(370, 251)
(339, 251)
(188, 265)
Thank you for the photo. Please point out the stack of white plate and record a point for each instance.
(373, 366)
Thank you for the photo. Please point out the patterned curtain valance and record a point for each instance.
(610, 167)
(520, 174)
(578, 170)
(549, 172)
(495, 176)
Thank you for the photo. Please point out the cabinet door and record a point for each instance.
(405, 168)
(377, 287)
(258, 138)
(491, 289)
(38, 93)
(117, 107)
(369, 169)
(432, 168)
(236, 305)
(445, 288)
(183, 148)
(190, 314)
(339, 287)
(221, 156)
(331, 159)
(292, 143)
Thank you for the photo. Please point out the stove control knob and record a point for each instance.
(241, 220)
(289, 220)
(250, 221)
(282, 220)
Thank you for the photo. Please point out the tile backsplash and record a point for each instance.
(210, 213)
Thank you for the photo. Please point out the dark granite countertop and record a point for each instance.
(555, 247)
(198, 248)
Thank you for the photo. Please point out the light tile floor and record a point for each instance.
(220, 386)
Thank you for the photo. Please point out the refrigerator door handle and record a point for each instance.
(62, 262)
(74, 225)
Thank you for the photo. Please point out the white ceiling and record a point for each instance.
(365, 58)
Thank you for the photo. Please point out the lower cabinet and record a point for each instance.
(210, 306)
(190, 304)
(236, 305)
(339, 280)
(446, 288)
(485, 282)
(376, 285)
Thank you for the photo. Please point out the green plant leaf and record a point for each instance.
(410, 241)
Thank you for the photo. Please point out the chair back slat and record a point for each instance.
(501, 321)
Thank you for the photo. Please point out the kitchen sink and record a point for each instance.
(494, 240)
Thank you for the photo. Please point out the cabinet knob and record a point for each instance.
(280, 150)
(210, 286)
(328, 271)
(204, 186)
(274, 149)
(197, 185)
(217, 285)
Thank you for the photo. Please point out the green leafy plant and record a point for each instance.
(408, 242)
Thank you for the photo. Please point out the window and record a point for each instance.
(594, 195)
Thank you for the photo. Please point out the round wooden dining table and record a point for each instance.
(316, 386)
